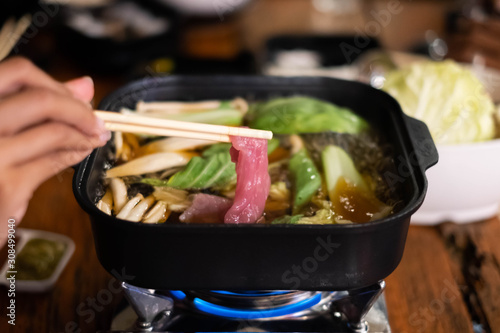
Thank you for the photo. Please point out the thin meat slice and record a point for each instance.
(206, 208)
(253, 182)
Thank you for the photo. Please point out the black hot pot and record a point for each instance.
(261, 257)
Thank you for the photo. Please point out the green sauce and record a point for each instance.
(38, 259)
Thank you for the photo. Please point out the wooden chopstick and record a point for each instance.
(141, 129)
(6, 31)
(140, 124)
(11, 33)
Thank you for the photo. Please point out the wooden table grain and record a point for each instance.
(448, 279)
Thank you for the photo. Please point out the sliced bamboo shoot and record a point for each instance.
(170, 194)
(119, 190)
(157, 214)
(129, 206)
(118, 139)
(179, 207)
(149, 163)
(172, 145)
(106, 202)
(176, 200)
(138, 211)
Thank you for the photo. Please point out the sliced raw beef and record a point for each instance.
(253, 182)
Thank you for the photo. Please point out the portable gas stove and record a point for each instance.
(360, 310)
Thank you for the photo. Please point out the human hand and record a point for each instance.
(45, 127)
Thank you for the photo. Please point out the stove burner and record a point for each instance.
(267, 311)
(263, 313)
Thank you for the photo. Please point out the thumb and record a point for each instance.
(81, 88)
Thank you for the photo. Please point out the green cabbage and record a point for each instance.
(293, 115)
(214, 168)
(447, 97)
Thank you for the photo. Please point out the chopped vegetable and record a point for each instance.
(337, 164)
(106, 202)
(118, 141)
(157, 214)
(170, 107)
(228, 117)
(322, 216)
(447, 97)
(279, 197)
(125, 211)
(175, 199)
(216, 149)
(351, 198)
(272, 145)
(213, 170)
(119, 190)
(126, 145)
(172, 144)
(293, 115)
(306, 177)
(154, 181)
(149, 163)
(131, 140)
(293, 179)
(279, 191)
(287, 219)
(169, 172)
(138, 211)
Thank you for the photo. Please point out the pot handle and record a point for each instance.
(424, 146)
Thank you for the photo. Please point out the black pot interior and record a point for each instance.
(382, 112)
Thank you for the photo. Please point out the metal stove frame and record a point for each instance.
(363, 309)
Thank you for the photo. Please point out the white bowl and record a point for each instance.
(464, 186)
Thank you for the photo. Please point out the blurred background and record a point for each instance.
(127, 39)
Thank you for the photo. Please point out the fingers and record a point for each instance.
(41, 169)
(44, 139)
(18, 184)
(17, 73)
(36, 105)
(81, 88)
(45, 126)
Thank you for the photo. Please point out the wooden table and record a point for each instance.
(448, 278)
